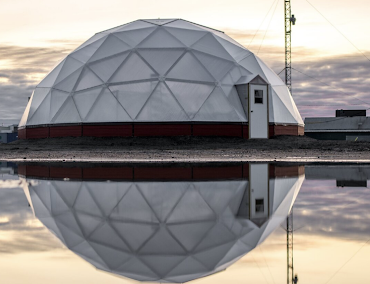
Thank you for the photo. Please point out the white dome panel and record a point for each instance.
(132, 59)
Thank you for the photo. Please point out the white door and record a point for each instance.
(258, 111)
(259, 190)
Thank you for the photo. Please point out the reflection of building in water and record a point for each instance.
(7, 168)
(346, 176)
(149, 225)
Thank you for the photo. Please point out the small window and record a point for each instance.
(260, 205)
(258, 96)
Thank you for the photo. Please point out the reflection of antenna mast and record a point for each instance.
(291, 278)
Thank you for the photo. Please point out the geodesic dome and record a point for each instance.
(157, 231)
(155, 71)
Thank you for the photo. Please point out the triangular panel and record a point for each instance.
(105, 68)
(111, 46)
(88, 223)
(133, 69)
(107, 109)
(88, 80)
(135, 234)
(285, 110)
(94, 38)
(161, 59)
(26, 113)
(69, 82)
(108, 194)
(68, 219)
(57, 100)
(133, 96)
(112, 257)
(85, 251)
(162, 106)
(190, 234)
(217, 108)
(85, 53)
(228, 80)
(58, 206)
(50, 78)
(162, 197)
(49, 223)
(108, 236)
(161, 39)
(85, 203)
(133, 38)
(133, 207)
(234, 100)
(84, 100)
(162, 243)
(136, 269)
(68, 113)
(251, 64)
(219, 194)
(189, 266)
(271, 76)
(235, 51)
(162, 264)
(41, 115)
(191, 96)
(189, 68)
(187, 37)
(70, 236)
(70, 66)
(208, 44)
(191, 207)
(68, 191)
(214, 255)
(217, 66)
(37, 98)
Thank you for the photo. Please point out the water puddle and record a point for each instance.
(205, 223)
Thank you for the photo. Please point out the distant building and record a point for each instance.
(347, 125)
(8, 133)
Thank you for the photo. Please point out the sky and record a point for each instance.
(331, 243)
(35, 37)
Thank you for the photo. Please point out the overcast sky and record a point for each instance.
(37, 36)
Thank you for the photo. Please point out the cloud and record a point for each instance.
(324, 209)
(20, 230)
(22, 68)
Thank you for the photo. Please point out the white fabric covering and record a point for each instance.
(170, 52)
(157, 231)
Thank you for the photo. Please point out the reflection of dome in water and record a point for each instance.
(155, 71)
(160, 231)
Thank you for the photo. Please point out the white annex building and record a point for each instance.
(164, 231)
(161, 77)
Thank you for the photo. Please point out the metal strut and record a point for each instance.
(289, 20)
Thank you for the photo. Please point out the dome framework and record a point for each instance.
(161, 78)
(155, 229)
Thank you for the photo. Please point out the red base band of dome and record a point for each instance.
(152, 129)
(163, 172)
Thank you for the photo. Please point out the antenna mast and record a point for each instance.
(289, 20)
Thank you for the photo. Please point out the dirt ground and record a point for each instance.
(185, 149)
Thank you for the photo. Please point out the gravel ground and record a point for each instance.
(185, 149)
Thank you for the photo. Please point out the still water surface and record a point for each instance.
(180, 223)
